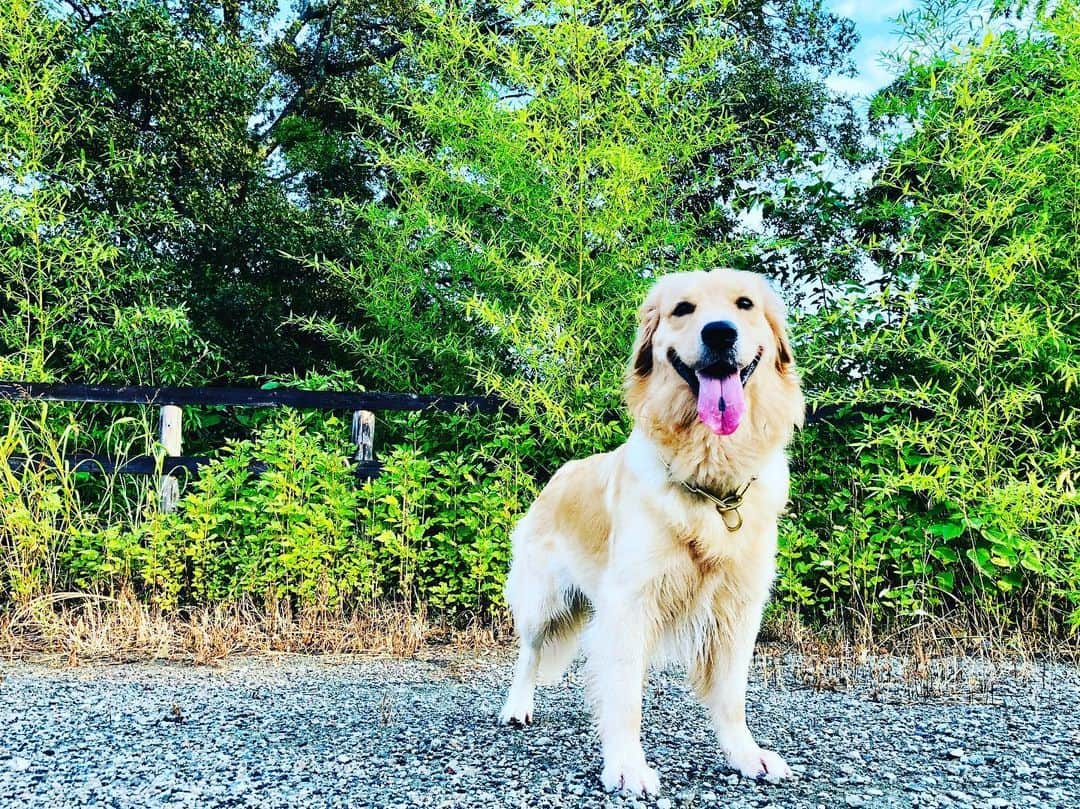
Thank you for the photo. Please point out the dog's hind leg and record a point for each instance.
(545, 649)
(548, 619)
(518, 709)
(562, 637)
(531, 595)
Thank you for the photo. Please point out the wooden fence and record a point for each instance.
(363, 406)
(171, 401)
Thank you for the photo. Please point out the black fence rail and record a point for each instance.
(362, 404)
(243, 397)
(171, 400)
(836, 414)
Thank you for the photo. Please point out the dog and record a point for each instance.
(665, 547)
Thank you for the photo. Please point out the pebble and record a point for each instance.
(311, 731)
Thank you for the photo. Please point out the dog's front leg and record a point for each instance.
(719, 677)
(617, 642)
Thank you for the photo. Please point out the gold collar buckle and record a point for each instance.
(725, 506)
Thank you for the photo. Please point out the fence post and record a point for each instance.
(170, 424)
(363, 434)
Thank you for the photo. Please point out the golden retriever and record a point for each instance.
(666, 546)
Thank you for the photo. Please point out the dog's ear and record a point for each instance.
(776, 315)
(648, 320)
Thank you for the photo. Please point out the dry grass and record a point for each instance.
(936, 658)
(80, 628)
(941, 657)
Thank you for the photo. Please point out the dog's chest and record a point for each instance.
(718, 569)
(690, 589)
(694, 612)
(705, 535)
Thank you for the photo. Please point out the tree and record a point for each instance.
(235, 136)
(75, 296)
(975, 317)
(535, 174)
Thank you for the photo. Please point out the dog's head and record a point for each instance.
(708, 340)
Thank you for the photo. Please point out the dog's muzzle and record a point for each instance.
(690, 375)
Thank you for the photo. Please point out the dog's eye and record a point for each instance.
(744, 303)
(684, 308)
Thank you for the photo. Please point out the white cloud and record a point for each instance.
(878, 35)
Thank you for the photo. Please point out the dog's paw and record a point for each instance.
(518, 713)
(636, 777)
(762, 764)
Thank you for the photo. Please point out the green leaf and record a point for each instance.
(945, 554)
(949, 530)
(981, 557)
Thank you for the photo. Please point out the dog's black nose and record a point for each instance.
(719, 335)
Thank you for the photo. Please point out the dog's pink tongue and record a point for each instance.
(720, 402)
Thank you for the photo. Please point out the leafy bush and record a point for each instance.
(432, 529)
(472, 197)
(46, 510)
(441, 523)
(977, 319)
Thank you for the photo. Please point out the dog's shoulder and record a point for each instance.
(641, 459)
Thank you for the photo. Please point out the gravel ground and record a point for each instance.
(301, 731)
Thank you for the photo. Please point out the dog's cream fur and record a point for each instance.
(617, 551)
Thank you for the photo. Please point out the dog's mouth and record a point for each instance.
(718, 388)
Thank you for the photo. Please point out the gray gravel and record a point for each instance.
(301, 731)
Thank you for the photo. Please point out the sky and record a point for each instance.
(877, 33)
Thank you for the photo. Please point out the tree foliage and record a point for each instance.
(227, 143)
(445, 197)
(536, 175)
(76, 296)
(975, 316)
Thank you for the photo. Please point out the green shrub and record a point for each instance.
(432, 529)
(977, 319)
(514, 183)
(441, 525)
(291, 531)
